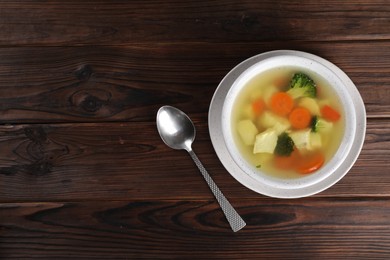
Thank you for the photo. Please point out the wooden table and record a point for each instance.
(84, 174)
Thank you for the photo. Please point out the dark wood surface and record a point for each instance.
(84, 174)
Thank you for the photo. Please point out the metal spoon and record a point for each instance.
(178, 132)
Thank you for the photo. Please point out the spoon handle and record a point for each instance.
(234, 219)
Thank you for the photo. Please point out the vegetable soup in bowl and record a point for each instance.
(292, 124)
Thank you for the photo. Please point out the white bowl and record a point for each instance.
(227, 151)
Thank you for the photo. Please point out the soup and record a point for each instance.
(287, 122)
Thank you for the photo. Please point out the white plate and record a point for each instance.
(248, 180)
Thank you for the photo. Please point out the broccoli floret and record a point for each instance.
(284, 145)
(320, 125)
(302, 85)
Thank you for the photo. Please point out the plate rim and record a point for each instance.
(219, 145)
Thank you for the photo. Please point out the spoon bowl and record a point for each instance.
(178, 132)
(175, 128)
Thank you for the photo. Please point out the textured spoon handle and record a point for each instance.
(235, 220)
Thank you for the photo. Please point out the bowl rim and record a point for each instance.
(310, 66)
(229, 162)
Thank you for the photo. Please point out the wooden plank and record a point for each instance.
(123, 161)
(309, 228)
(126, 22)
(95, 84)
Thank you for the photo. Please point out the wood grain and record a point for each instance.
(122, 22)
(121, 161)
(84, 174)
(177, 229)
(96, 84)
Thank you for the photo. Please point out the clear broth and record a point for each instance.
(283, 75)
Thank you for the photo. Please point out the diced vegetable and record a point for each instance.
(320, 125)
(268, 120)
(300, 118)
(281, 126)
(284, 145)
(330, 113)
(281, 103)
(247, 131)
(287, 162)
(281, 82)
(306, 140)
(258, 106)
(311, 163)
(247, 112)
(310, 104)
(302, 85)
(269, 92)
(301, 139)
(265, 142)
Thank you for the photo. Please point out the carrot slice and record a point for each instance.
(258, 106)
(311, 163)
(330, 113)
(281, 103)
(300, 118)
(287, 162)
(281, 82)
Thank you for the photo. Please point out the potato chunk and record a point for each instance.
(310, 104)
(265, 142)
(247, 131)
(306, 140)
